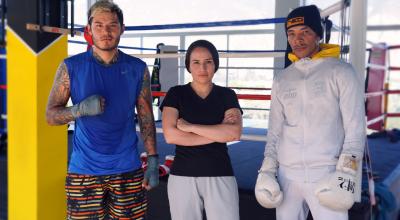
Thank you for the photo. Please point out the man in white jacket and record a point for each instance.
(316, 134)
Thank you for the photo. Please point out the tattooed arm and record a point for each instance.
(145, 115)
(57, 113)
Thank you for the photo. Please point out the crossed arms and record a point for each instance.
(180, 132)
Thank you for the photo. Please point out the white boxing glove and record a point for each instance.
(267, 190)
(337, 191)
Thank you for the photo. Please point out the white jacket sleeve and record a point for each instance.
(275, 124)
(340, 190)
(351, 101)
(267, 189)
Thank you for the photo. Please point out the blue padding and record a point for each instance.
(254, 131)
(203, 24)
(206, 24)
(246, 158)
(386, 202)
(385, 156)
(76, 26)
(77, 42)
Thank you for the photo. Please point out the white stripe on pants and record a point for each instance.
(189, 195)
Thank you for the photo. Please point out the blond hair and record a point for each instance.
(107, 6)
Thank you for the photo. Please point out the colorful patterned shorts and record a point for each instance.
(118, 196)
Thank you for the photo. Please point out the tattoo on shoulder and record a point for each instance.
(144, 101)
(61, 83)
(146, 79)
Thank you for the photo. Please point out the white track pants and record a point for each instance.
(188, 196)
(299, 198)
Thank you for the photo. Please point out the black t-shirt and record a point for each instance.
(204, 160)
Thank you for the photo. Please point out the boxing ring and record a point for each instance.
(247, 154)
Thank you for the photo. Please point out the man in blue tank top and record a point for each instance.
(105, 178)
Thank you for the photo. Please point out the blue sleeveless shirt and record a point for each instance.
(107, 143)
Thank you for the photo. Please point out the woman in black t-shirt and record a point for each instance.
(200, 118)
